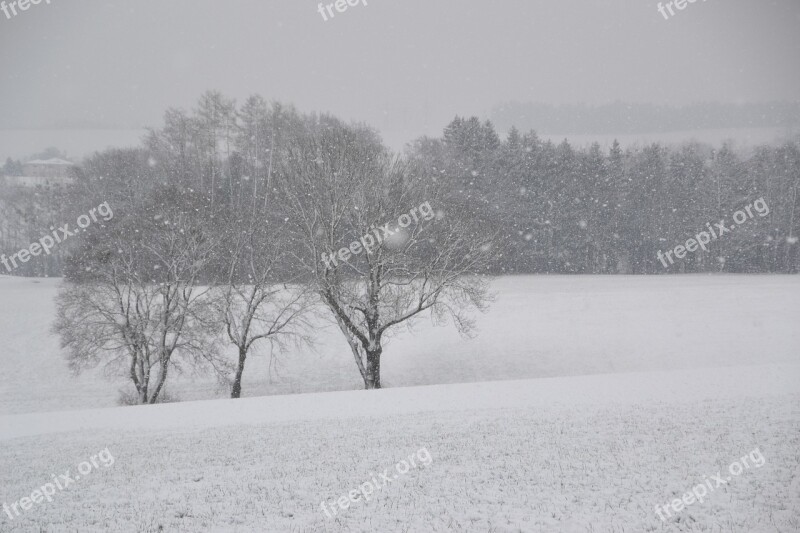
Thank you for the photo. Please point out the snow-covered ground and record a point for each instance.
(662, 383)
(615, 324)
(591, 453)
(77, 143)
(742, 138)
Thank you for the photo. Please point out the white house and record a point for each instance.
(43, 172)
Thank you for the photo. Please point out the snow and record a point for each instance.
(663, 381)
(620, 324)
(588, 453)
(52, 161)
(675, 386)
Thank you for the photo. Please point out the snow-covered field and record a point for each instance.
(665, 381)
(592, 453)
(79, 143)
(617, 324)
(742, 138)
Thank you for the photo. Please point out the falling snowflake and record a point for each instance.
(398, 240)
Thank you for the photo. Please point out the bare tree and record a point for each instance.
(252, 306)
(138, 304)
(339, 185)
(215, 119)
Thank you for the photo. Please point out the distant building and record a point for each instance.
(43, 172)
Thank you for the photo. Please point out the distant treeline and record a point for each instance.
(623, 118)
(558, 209)
(549, 208)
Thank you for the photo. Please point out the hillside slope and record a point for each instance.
(617, 324)
(574, 454)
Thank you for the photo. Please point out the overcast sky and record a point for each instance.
(404, 66)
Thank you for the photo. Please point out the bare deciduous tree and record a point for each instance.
(138, 304)
(252, 305)
(338, 184)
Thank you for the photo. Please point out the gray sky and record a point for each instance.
(404, 66)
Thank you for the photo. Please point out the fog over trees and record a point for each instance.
(621, 118)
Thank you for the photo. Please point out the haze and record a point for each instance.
(406, 67)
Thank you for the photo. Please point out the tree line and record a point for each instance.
(224, 215)
(561, 209)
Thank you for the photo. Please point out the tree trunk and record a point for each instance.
(357, 356)
(162, 378)
(142, 395)
(373, 378)
(236, 390)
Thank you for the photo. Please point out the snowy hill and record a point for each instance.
(592, 453)
(620, 324)
(665, 382)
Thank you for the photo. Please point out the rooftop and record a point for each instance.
(53, 161)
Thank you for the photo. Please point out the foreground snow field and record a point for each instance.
(663, 383)
(617, 324)
(593, 453)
